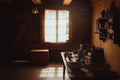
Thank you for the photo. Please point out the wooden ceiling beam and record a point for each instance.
(94, 1)
(36, 1)
(66, 2)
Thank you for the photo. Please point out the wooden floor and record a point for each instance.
(25, 71)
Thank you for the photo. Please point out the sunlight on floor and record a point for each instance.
(51, 72)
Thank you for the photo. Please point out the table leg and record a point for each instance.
(63, 72)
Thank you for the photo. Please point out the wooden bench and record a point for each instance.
(39, 56)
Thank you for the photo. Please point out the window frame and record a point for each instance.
(70, 29)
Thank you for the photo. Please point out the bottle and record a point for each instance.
(80, 47)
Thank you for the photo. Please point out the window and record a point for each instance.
(56, 26)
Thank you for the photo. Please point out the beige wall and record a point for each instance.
(112, 51)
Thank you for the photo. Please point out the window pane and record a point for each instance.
(50, 14)
(50, 26)
(63, 27)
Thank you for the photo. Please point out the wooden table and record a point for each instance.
(92, 72)
(72, 74)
